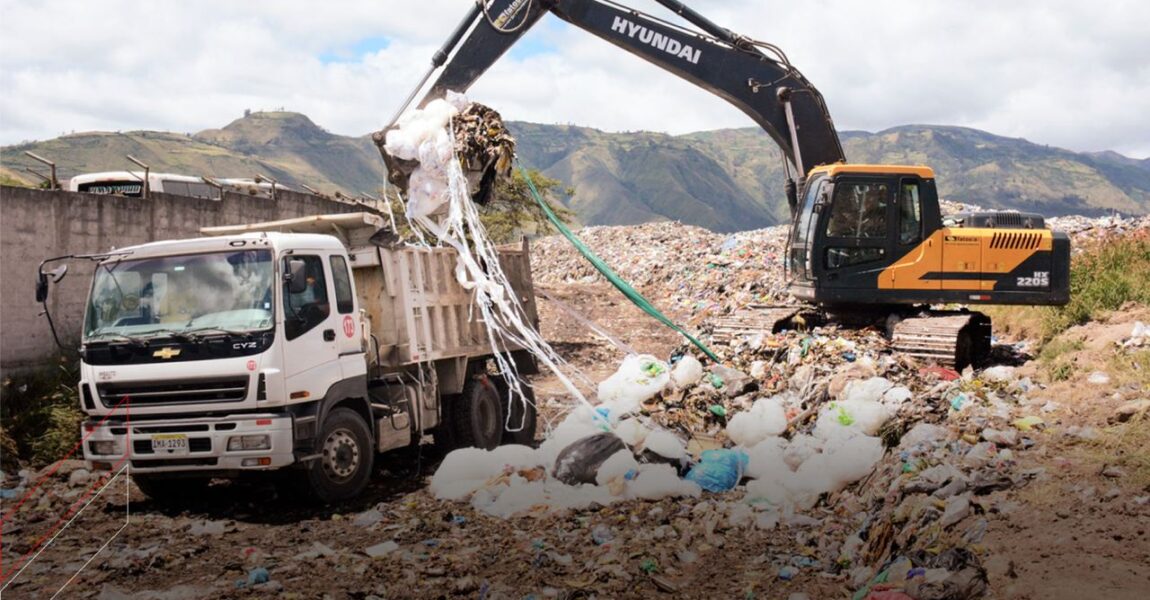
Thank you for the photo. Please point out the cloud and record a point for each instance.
(1057, 72)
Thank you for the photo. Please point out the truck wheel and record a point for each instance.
(345, 458)
(477, 415)
(172, 490)
(522, 414)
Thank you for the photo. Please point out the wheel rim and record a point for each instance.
(340, 455)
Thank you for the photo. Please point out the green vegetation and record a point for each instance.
(1130, 368)
(513, 211)
(1055, 360)
(41, 415)
(1103, 277)
(6, 179)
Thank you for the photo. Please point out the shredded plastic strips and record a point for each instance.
(439, 201)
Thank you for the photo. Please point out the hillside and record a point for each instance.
(724, 180)
(284, 145)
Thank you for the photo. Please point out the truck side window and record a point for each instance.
(858, 210)
(339, 275)
(909, 214)
(305, 310)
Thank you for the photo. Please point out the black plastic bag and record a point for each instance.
(580, 462)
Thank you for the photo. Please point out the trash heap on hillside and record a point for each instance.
(682, 268)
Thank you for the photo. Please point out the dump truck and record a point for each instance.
(304, 346)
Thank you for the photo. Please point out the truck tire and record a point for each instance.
(476, 417)
(526, 435)
(346, 458)
(172, 490)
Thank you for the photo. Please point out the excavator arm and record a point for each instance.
(772, 92)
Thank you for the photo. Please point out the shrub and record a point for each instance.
(41, 414)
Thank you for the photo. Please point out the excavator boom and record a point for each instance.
(768, 89)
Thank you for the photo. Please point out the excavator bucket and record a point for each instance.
(483, 145)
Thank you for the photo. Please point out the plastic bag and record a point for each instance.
(639, 378)
(580, 462)
(719, 470)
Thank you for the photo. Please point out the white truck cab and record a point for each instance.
(270, 346)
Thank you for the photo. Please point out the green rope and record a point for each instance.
(634, 296)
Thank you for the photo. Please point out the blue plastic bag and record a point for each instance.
(719, 470)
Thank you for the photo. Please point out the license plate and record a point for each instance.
(170, 443)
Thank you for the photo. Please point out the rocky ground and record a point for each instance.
(1022, 479)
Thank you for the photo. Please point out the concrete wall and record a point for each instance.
(39, 224)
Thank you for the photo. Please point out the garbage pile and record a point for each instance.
(883, 468)
(884, 465)
(704, 274)
(683, 268)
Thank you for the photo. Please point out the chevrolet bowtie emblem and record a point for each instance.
(166, 353)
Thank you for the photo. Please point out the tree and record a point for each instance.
(513, 212)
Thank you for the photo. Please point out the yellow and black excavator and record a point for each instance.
(865, 239)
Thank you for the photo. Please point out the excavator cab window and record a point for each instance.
(858, 210)
(909, 213)
(806, 226)
(857, 225)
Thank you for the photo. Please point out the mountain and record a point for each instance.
(284, 145)
(723, 180)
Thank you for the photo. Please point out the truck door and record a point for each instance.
(310, 328)
(349, 341)
(858, 237)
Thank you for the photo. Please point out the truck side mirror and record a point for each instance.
(296, 276)
(42, 281)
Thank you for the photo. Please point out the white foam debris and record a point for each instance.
(617, 467)
(665, 444)
(658, 481)
(867, 390)
(765, 419)
(687, 372)
(766, 459)
(632, 432)
(846, 418)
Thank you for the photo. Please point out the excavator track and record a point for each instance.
(755, 318)
(952, 339)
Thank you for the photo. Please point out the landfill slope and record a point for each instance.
(999, 482)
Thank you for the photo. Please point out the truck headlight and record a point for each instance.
(105, 447)
(249, 442)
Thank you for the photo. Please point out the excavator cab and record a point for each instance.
(853, 223)
(873, 235)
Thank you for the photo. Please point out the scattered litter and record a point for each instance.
(382, 549)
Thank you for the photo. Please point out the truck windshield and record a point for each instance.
(181, 295)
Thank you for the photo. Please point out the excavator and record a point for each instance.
(865, 240)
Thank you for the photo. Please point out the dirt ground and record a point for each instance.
(1078, 530)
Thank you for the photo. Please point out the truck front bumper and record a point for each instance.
(193, 444)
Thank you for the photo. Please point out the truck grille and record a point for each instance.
(190, 391)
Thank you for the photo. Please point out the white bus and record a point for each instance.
(131, 184)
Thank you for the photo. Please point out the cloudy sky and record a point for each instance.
(1066, 73)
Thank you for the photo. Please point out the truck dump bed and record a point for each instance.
(414, 307)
